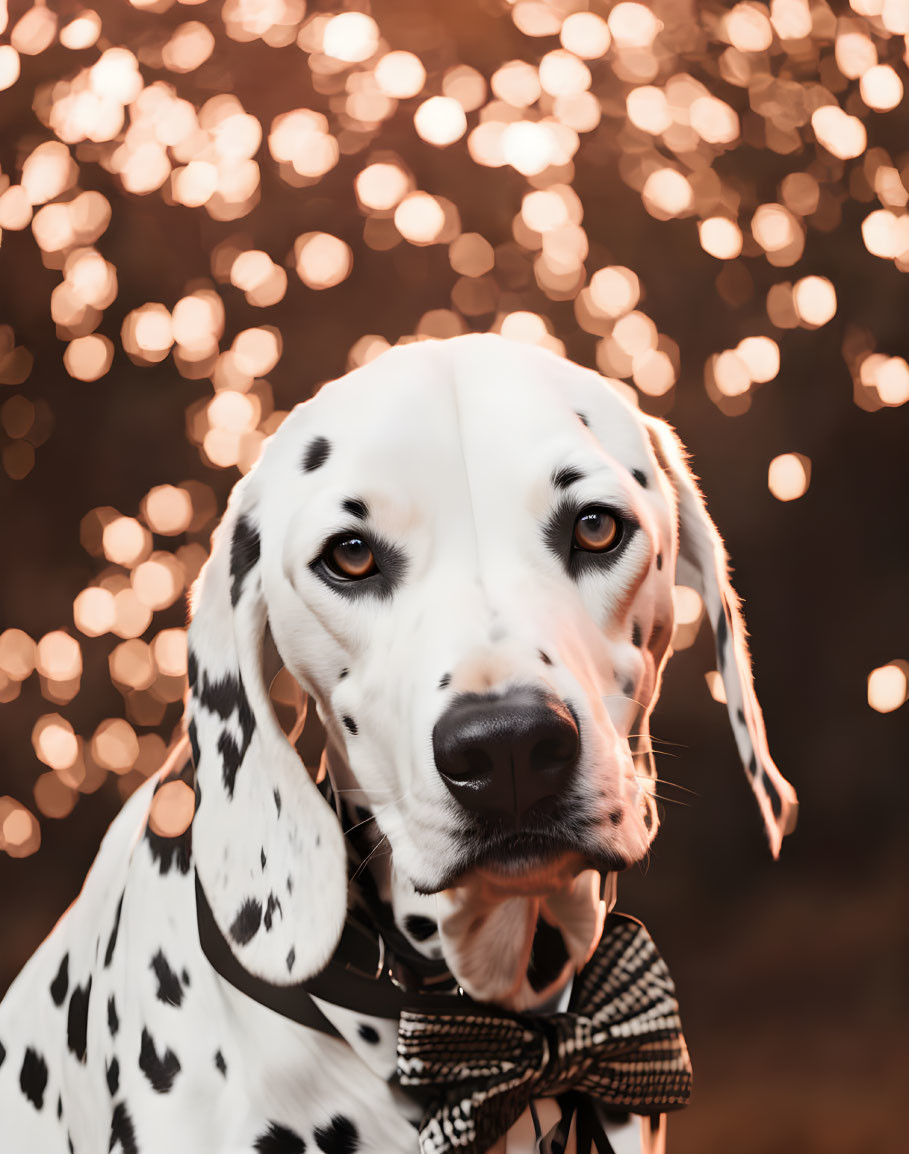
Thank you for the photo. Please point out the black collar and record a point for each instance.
(367, 973)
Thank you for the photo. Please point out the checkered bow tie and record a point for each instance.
(620, 1044)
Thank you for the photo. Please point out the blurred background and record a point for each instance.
(208, 209)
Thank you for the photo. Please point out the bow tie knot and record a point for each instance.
(619, 1043)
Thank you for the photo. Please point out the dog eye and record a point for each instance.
(351, 558)
(596, 530)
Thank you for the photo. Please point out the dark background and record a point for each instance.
(792, 975)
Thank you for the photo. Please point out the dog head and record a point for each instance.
(465, 554)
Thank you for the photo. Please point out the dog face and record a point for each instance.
(465, 554)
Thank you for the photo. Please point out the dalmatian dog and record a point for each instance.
(464, 553)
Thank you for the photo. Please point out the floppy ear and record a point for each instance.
(703, 566)
(268, 850)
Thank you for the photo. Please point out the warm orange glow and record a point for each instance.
(586, 35)
(887, 687)
(172, 809)
(54, 742)
(667, 193)
(381, 186)
(440, 120)
(633, 25)
(351, 37)
(840, 134)
(788, 476)
(688, 610)
(93, 611)
(82, 31)
(18, 654)
(169, 651)
(761, 357)
(419, 218)
(114, 745)
(400, 74)
(814, 298)
(881, 88)
(720, 237)
(323, 261)
(125, 541)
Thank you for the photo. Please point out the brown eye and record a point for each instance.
(596, 530)
(351, 557)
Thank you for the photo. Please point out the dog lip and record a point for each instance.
(507, 859)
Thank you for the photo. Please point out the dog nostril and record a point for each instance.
(471, 765)
(553, 751)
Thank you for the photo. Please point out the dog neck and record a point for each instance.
(518, 949)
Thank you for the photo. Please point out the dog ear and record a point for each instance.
(268, 850)
(703, 565)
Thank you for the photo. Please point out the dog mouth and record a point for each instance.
(527, 862)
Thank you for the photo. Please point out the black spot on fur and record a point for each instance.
(60, 984)
(244, 554)
(272, 905)
(640, 477)
(616, 816)
(77, 1020)
(223, 697)
(113, 1022)
(159, 1071)
(316, 454)
(628, 688)
(262, 858)
(192, 669)
(420, 927)
(740, 714)
(582, 417)
(2, 1053)
(33, 1077)
(220, 1064)
(169, 989)
(350, 725)
(194, 742)
(659, 560)
(69, 1142)
(279, 1140)
(291, 958)
(648, 817)
(343, 674)
(246, 924)
(112, 940)
(277, 798)
(636, 637)
(752, 765)
(122, 1130)
(776, 803)
(545, 658)
(340, 1136)
(356, 508)
(177, 852)
(184, 977)
(368, 1033)
(565, 477)
(113, 1076)
(722, 632)
(59, 1106)
(170, 852)
(445, 681)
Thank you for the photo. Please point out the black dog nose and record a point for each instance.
(505, 755)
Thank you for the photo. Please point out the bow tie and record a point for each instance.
(620, 1043)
